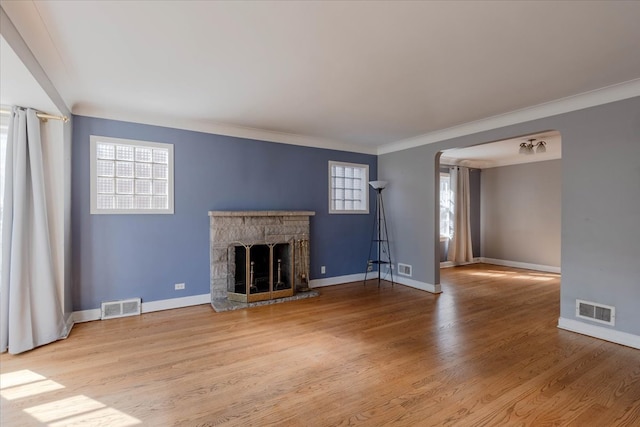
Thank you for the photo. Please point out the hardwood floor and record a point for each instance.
(485, 352)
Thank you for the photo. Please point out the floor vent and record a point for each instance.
(597, 312)
(122, 308)
(404, 269)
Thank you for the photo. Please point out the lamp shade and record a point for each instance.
(378, 185)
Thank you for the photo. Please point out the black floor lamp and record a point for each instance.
(379, 235)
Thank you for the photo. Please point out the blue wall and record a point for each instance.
(125, 256)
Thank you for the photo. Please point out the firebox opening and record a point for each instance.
(268, 269)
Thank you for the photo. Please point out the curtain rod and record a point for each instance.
(43, 116)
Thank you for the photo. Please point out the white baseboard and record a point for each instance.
(449, 264)
(338, 280)
(600, 332)
(86, 315)
(147, 307)
(168, 304)
(516, 264)
(359, 277)
(434, 289)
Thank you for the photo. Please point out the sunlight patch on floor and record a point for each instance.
(63, 408)
(538, 277)
(69, 411)
(25, 376)
(29, 389)
(487, 274)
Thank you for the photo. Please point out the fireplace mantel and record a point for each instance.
(229, 229)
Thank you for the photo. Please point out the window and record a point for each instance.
(348, 188)
(131, 177)
(446, 207)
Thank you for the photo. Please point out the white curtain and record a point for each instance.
(460, 249)
(30, 311)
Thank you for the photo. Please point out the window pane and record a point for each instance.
(339, 194)
(143, 202)
(348, 195)
(348, 183)
(160, 202)
(348, 205)
(124, 169)
(124, 152)
(105, 185)
(339, 205)
(104, 168)
(339, 171)
(348, 172)
(143, 154)
(160, 187)
(105, 151)
(106, 202)
(124, 202)
(143, 170)
(160, 156)
(160, 171)
(339, 182)
(124, 186)
(143, 186)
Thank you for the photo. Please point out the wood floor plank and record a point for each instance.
(487, 351)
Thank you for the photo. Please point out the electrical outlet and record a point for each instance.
(369, 266)
(179, 286)
(323, 270)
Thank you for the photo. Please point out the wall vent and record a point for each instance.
(404, 269)
(122, 308)
(596, 312)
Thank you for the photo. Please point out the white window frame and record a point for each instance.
(364, 200)
(94, 139)
(448, 219)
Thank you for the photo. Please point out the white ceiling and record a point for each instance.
(358, 75)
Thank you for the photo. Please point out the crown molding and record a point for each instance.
(211, 127)
(617, 92)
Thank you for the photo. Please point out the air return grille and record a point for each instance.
(122, 308)
(597, 312)
(404, 269)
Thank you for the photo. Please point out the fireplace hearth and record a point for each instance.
(258, 255)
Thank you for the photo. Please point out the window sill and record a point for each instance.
(443, 238)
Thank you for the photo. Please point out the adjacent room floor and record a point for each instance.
(484, 352)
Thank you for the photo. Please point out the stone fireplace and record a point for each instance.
(258, 255)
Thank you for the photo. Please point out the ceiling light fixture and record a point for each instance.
(527, 147)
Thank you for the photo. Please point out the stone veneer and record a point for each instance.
(229, 228)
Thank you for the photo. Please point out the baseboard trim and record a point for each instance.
(147, 307)
(449, 264)
(338, 280)
(600, 332)
(423, 286)
(169, 304)
(359, 277)
(86, 315)
(517, 264)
